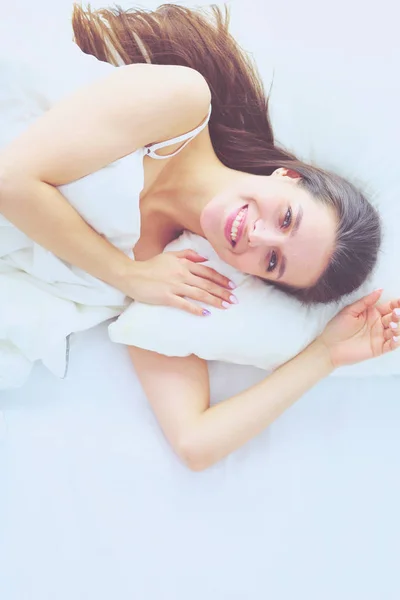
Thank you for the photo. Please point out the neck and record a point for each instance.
(200, 176)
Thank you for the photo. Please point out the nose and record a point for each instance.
(263, 234)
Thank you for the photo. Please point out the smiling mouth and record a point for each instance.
(237, 226)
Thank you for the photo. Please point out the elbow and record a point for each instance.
(193, 456)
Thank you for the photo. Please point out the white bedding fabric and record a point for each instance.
(94, 504)
(42, 298)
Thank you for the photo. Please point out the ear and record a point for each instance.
(283, 172)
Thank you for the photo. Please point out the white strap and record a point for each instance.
(151, 150)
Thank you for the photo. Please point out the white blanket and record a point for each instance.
(42, 298)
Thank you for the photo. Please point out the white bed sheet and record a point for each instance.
(94, 504)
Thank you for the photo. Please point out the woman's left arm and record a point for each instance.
(178, 391)
(178, 388)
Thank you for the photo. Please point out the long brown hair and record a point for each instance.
(240, 127)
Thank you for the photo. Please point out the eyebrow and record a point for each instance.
(295, 228)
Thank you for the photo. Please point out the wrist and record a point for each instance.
(322, 356)
(122, 273)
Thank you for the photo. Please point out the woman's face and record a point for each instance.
(274, 230)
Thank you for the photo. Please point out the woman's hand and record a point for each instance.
(175, 278)
(362, 331)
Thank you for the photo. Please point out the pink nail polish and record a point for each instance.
(233, 299)
(225, 304)
(206, 312)
(232, 285)
(393, 325)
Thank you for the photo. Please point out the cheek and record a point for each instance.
(298, 255)
(212, 214)
(249, 262)
(305, 250)
(210, 219)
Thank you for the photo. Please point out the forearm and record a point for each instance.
(228, 425)
(46, 217)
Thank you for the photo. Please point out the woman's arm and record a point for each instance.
(178, 391)
(45, 216)
(178, 388)
(100, 123)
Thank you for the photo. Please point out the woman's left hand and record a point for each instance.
(362, 331)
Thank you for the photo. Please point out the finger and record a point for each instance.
(392, 344)
(389, 307)
(212, 275)
(361, 305)
(190, 255)
(194, 293)
(388, 334)
(185, 305)
(212, 288)
(391, 320)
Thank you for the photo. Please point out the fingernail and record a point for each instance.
(232, 285)
(233, 299)
(396, 339)
(393, 325)
(205, 312)
(397, 312)
(225, 304)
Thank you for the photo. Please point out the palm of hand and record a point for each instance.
(362, 331)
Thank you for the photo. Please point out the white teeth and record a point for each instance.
(236, 223)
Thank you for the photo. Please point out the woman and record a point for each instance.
(264, 212)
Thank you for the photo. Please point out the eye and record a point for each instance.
(272, 262)
(288, 219)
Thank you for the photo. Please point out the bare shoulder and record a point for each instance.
(180, 96)
(104, 121)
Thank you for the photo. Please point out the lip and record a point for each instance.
(229, 223)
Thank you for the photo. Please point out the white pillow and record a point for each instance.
(345, 120)
(264, 329)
